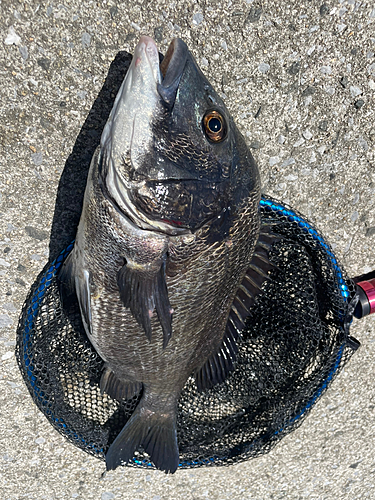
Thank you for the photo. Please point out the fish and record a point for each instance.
(169, 254)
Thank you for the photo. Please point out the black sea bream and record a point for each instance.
(168, 254)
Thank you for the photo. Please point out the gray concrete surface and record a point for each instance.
(299, 78)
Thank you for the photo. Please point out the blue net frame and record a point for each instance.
(295, 343)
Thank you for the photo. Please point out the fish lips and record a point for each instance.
(171, 68)
(184, 204)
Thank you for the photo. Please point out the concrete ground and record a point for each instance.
(299, 79)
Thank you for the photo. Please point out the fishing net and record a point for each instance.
(295, 343)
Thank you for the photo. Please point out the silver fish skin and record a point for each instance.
(167, 259)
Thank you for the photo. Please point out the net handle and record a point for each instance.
(366, 302)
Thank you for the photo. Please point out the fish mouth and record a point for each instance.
(168, 72)
(151, 80)
(171, 69)
(176, 201)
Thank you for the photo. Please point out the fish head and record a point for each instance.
(172, 158)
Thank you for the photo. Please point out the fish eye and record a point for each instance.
(214, 126)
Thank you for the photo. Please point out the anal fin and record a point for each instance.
(116, 388)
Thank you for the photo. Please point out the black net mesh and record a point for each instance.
(296, 342)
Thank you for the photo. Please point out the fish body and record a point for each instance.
(167, 259)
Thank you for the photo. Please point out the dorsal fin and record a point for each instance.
(218, 365)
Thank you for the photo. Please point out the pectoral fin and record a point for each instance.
(217, 367)
(143, 290)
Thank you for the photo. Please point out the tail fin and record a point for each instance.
(157, 435)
